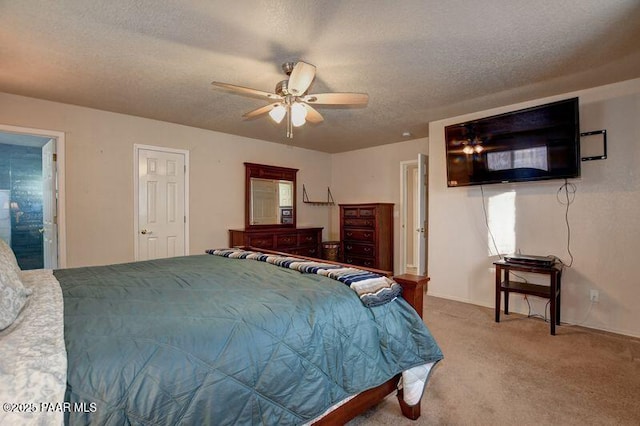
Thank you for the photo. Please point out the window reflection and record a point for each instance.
(501, 211)
(529, 158)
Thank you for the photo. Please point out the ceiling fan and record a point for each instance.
(291, 99)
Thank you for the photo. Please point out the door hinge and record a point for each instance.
(185, 219)
(185, 169)
(55, 156)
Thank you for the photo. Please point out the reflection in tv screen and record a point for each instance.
(536, 143)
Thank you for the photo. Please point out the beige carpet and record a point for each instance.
(515, 373)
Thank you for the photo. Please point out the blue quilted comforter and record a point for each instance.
(211, 340)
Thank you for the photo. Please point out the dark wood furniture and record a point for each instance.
(413, 289)
(280, 234)
(299, 241)
(366, 235)
(551, 292)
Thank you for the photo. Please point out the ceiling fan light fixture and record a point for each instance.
(291, 100)
(277, 113)
(298, 114)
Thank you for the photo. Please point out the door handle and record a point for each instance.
(145, 232)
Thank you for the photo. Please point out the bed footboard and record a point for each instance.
(409, 411)
(413, 289)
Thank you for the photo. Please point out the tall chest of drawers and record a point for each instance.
(366, 235)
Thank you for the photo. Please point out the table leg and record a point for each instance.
(554, 306)
(498, 282)
(506, 292)
(559, 289)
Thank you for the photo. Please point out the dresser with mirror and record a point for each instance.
(271, 211)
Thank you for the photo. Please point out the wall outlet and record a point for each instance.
(594, 296)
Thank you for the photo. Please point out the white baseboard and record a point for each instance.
(570, 322)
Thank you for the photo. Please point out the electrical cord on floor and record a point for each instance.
(530, 315)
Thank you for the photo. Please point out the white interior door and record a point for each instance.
(161, 208)
(413, 235)
(421, 230)
(49, 206)
(413, 219)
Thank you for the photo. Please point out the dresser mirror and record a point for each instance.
(270, 196)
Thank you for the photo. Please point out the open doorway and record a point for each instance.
(413, 232)
(30, 195)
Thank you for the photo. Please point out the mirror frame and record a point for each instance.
(263, 171)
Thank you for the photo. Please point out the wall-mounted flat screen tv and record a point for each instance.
(537, 143)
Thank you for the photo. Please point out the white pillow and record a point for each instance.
(13, 294)
(9, 255)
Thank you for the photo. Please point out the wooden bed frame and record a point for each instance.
(413, 289)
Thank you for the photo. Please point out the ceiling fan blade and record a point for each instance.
(246, 90)
(313, 116)
(256, 112)
(336, 98)
(301, 78)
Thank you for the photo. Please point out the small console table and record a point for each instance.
(551, 292)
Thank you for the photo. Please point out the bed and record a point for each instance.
(209, 339)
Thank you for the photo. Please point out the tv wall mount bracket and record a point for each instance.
(603, 156)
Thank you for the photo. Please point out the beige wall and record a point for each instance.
(372, 175)
(99, 175)
(604, 219)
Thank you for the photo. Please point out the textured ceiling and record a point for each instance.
(419, 60)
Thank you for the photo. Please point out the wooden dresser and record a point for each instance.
(301, 241)
(366, 235)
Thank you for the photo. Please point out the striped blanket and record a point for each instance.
(372, 289)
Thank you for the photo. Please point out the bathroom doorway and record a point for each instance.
(29, 196)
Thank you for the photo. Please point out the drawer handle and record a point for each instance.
(349, 234)
(349, 247)
(367, 249)
(366, 235)
(309, 238)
